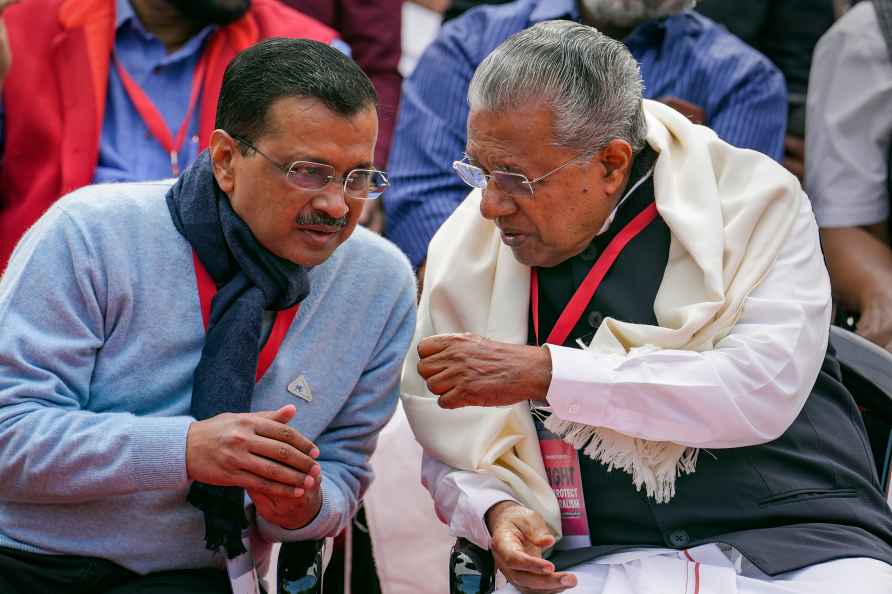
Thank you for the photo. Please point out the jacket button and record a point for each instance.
(595, 318)
(678, 538)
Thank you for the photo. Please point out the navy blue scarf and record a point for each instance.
(249, 280)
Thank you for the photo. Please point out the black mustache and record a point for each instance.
(318, 218)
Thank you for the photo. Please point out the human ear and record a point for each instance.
(223, 154)
(617, 159)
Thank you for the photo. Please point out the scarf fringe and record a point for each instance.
(653, 465)
(224, 517)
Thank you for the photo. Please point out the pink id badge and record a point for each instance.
(562, 467)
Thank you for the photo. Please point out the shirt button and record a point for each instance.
(595, 318)
(678, 538)
(573, 409)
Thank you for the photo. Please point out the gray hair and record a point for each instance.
(591, 82)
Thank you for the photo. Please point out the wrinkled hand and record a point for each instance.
(5, 52)
(875, 323)
(519, 535)
(693, 112)
(256, 451)
(469, 370)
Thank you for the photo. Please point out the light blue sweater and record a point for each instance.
(100, 331)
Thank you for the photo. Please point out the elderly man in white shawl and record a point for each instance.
(622, 349)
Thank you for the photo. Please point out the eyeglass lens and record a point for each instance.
(361, 183)
(510, 183)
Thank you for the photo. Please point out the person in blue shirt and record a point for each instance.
(684, 58)
(159, 46)
(173, 350)
(127, 151)
(115, 90)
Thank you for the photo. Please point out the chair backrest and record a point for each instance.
(867, 373)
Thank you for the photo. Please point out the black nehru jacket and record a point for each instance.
(810, 496)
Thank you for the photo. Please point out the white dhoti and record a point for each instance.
(717, 569)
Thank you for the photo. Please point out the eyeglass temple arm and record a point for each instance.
(555, 170)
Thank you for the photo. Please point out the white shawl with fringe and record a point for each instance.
(728, 210)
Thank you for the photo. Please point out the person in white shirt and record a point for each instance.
(849, 123)
(677, 289)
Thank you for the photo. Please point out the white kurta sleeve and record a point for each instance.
(462, 498)
(748, 390)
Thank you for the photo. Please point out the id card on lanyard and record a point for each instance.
(152, 117)
(565, 478)
(560, 458)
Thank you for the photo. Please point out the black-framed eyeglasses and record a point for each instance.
(364, 184)
(515, 184)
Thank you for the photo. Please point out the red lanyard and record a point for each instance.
(206, 291)
(583, 295)
(152, 117)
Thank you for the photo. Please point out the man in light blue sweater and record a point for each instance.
(168, 348)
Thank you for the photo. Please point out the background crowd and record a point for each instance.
(807, 82)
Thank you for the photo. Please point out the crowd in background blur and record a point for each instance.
(808, 82)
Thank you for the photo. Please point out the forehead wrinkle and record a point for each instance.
(516, 137)
(488, 151)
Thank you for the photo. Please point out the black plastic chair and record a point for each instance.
(866, 373)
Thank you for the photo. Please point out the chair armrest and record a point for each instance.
(471, 569)
(300, 567)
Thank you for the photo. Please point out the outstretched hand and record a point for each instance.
(469, 370)
(519, 536)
